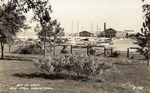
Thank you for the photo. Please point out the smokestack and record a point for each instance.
(104, 26)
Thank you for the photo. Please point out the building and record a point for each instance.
(101, 34)
(85, 34)
(109, 33)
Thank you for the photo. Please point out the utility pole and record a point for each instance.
(92, 27)
(97, 29)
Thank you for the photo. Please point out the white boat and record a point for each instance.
(104, 42)
(86, 41)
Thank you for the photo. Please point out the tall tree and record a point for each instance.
(41, 10)
(41, 13)
(144, 37)
(10, 23)
(51, 33)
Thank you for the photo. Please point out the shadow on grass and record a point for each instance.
(16, 58)
(50, 77)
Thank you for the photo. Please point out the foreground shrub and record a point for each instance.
(82, 65)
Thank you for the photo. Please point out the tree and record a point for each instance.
(10, 23)
(144, 37)
(41, 13)
(2, 41)
(50, 34)
(41, 10)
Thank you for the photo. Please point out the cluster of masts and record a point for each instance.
(97, 28)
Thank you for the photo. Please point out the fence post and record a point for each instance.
(111, 52)
(87, 50)
(54, 50)
(148, 61)
(128, 52)
(71, 49)
(104, 51)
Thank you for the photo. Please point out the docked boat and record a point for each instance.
(104, 42)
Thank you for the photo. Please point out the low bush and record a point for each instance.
(92, 51)
(31, 49)
(82, 65)
(115, 54)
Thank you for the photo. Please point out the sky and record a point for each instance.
(118, 14)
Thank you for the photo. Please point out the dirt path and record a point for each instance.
(122, 45)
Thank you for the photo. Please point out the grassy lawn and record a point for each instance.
(128, 76)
